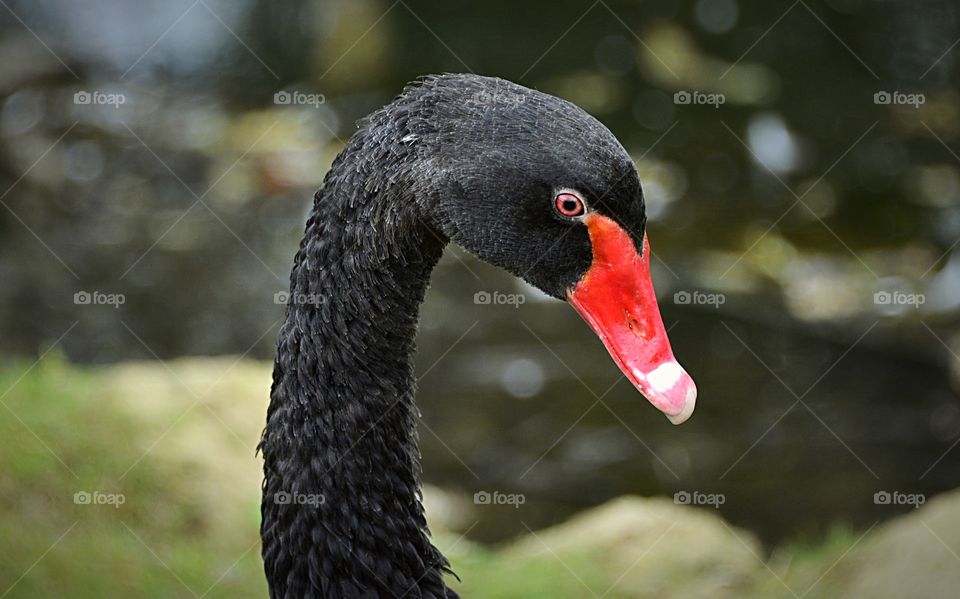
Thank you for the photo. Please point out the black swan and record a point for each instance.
(521, 179)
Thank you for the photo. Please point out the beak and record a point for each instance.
(616, 298)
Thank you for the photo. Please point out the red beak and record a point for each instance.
(617, 300)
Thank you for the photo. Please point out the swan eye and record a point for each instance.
(569, 205)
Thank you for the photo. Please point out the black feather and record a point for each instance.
(461, 157)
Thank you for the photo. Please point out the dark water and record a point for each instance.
(881, 415)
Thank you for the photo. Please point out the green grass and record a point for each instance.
(69, 430)
(178, 445)
(486, 574)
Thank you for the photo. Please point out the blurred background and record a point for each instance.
(801, 170)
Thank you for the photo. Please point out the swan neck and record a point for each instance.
(341, 499)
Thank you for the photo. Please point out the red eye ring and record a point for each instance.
(569, 205)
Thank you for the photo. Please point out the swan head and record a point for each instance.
(533, 184)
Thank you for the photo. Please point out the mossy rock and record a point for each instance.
(650, 547)
(913, 556)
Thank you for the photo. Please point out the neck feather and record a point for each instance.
(341, 508)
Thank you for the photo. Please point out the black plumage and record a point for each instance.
(472, 159)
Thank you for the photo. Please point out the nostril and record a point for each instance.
(636, 326)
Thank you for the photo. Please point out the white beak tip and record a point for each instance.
(690, 402)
